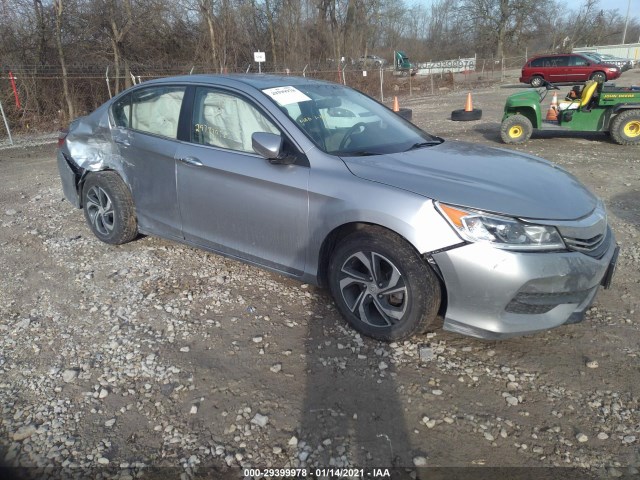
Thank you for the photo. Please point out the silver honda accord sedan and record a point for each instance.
(319, 182)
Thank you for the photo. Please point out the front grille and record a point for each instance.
(590, 235)
(584, 245)
(595, 247)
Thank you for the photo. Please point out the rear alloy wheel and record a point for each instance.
(108, 208)
(381, 285)
(536, 81)
(516, 129)
(599, 77)
(625, 128)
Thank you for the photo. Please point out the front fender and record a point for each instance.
(524, 103)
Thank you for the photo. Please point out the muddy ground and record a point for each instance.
(153, 354)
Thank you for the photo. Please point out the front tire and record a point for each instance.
(625, 128)
(599, 77)
(108, 208)
(382, 287)
(516, 129)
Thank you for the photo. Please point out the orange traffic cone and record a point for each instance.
(552, 114)
(554, 101)
(396, 106)
(468, 106)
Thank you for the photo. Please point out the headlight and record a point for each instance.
(501, 232)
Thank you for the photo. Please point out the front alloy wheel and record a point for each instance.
(382, 286)
(373, 289)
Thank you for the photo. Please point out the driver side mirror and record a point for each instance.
(269, 145)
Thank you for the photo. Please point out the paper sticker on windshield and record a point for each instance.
(286, 95)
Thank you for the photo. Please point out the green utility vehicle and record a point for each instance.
(594, 108)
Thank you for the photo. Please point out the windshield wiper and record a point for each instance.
(430, 143)
(357, 153)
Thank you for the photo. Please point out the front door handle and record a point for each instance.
(194, 162)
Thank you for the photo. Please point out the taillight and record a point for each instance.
(62, 134)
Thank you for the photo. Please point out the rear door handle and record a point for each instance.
(194, 162)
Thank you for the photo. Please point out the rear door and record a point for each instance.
(233, 200)
(146, 131)
(558, 67)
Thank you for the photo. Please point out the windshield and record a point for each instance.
(341, 121)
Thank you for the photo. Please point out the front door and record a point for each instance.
(231, 199)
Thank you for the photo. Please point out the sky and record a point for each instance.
(620, 5)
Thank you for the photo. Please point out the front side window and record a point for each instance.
(154, 110)
(226, 121)
(342, 121)
(576, 61)
(122, 112)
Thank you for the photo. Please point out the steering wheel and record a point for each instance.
(351, 131)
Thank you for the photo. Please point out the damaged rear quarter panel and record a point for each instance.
(89, 147)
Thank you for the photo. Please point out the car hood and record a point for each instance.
(485, 178)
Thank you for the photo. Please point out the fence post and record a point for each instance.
(6, 124)
(381, 81)
(15, 90)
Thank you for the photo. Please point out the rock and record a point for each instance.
(103, 393)
(24, 432)
(581, 437)
(103, 461)
(185, 349)
(257, 339)
(602, 436)
(260, 420)
(70, 375)
(293, 442)
(10, 212)
(430, 423)
(277, 450)
(593, 364)
(302, 456)
(436, 392)
(488, 436)
(629, 439)
(276, 367)
(426, 354)
(194, 409)
(110, 423)
(383, 366)
(420, 461)
(511, 400)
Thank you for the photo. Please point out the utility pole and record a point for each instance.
(626, 22)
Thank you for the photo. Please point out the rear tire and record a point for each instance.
(625, 128)
(516, 129)
(108, 208)
(463, 116)
(536, 81)
(381, 285)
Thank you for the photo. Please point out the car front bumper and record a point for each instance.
(494, 293)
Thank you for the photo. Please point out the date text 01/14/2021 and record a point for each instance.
(317, 472)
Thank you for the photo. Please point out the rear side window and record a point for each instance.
(154, 110)
(538, 62)
(122, 112)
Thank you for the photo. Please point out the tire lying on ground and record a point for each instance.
(464, 116)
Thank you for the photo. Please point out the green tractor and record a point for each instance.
(594, 108)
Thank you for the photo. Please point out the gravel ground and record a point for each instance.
(154, 354)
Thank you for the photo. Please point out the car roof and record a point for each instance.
(259, 81)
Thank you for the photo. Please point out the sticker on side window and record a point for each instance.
(286, 95)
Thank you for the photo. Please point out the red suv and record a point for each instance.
(569, 67)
